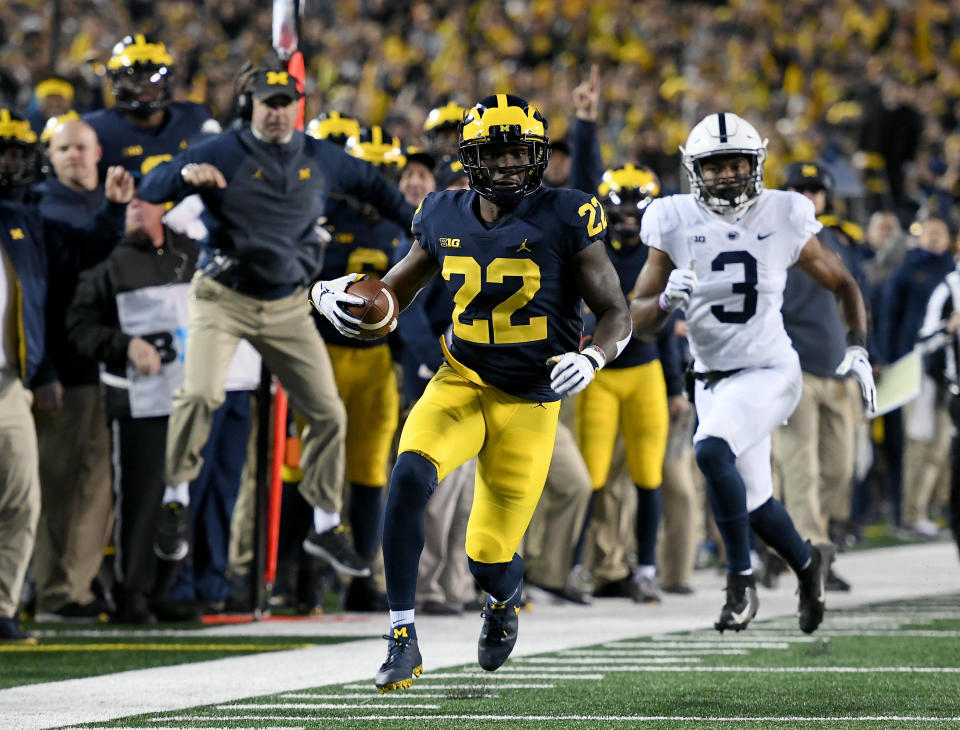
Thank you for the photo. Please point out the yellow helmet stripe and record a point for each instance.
(451, 113)
(140, 52)
(16, 129)
(629, 177)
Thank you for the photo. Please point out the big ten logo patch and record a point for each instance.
(449, 242)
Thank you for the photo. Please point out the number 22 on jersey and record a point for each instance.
(504, 331)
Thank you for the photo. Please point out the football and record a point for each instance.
(379, 310)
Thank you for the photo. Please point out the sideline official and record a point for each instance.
(264, 188)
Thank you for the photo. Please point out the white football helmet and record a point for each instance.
(720, 135)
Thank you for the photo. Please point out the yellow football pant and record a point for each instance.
(367, 384)
(457, 419)
(633, 400)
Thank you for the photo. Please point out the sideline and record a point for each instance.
(883, 574)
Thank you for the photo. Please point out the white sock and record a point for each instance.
(323, 520)
(399, 618)
(180, 493)
(645, 572)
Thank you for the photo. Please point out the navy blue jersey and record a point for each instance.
(516, 301)
(628, 260)
(358, 244)
(140, 150)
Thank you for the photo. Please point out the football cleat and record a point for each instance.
(812, 587)
(498, 635)
(742, 603)
(403, 662)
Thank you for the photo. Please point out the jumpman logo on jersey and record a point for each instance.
(258, 175)
(523, 247)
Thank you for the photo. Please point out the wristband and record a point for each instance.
(857, 338)
(596, 356)
(663, 307)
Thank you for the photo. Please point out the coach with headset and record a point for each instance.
(264, 187)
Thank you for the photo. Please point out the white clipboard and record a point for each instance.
(899, 383)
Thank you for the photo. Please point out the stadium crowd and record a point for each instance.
(146, 455)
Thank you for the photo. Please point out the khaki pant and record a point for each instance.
(444, 575)
(283, 332)
(677, 546)
(611, 538)
(19, 491)
(76, 498)
(926, 464)
(814, 455)
(558, 519)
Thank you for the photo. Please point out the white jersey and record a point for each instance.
(741, 262)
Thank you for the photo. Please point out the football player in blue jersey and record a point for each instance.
(517, 259)
(362, 241)
(631, 395)
(146, 126)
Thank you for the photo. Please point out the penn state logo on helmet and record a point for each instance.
(497, 124)
(334, 127)
(18, 150)
(140, 70)
(625, 192)
(725, 135)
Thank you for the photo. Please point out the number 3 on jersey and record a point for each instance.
(504, 331)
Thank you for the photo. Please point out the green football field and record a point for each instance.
(890, 665)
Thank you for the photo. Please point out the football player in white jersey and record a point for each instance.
(721, 254)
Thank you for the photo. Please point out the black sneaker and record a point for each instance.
(742, 603)
(12, 633)
(76, 613)
(403, 662)
(498, 635)
(836, 583)
(172, 539)
(336, 547)
(812, 587)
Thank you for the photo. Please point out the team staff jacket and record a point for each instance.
(266, 217)
(93, 321)
(139, 149)
(359, 243)
(516, 301)
(21, 235)
(71, 250)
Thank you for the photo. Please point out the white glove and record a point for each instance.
(680, 286)
(857, 361)
(329, 298)
(323, 233)
(573, 371)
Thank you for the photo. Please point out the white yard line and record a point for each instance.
(881, 575)
(598, 718)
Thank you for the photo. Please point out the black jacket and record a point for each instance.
(93, 325)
